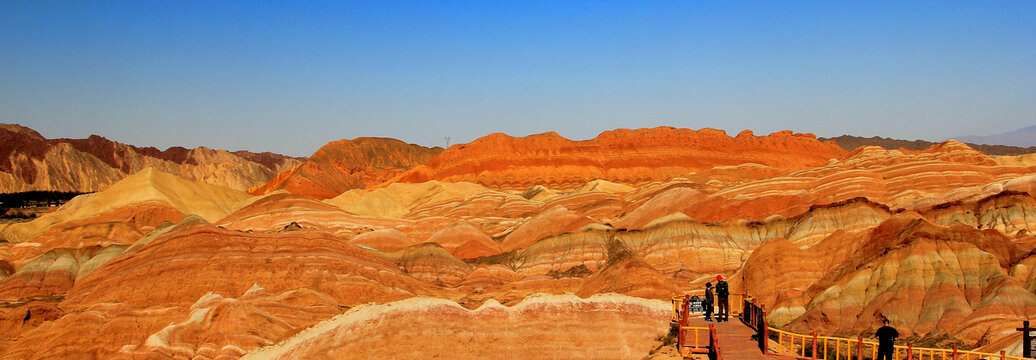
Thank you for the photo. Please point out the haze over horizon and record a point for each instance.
(290, 77)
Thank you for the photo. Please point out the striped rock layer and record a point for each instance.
(544, 327)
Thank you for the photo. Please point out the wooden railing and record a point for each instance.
(686, 347)
(754, 316)
(684, 339)
(816, 347)
(714, 353)
(679, 300)
(684, 344)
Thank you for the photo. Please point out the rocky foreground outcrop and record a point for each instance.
(182, 275)
(928, 279)
(29, 162)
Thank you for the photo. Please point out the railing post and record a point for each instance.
(756, 313)
(686, 307)
(713, 351)
(712, 341)
(680, 337)
(814, 357)
(764, 330)
(1003, 355)
(910, 351)
(1026, 340)
(954, 356)
(859, 347)
(745, 315)
(803, 352)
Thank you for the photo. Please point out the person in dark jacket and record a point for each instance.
(708, 302)
(722, 299)
(886, 340)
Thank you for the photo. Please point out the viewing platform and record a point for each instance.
(747, 336)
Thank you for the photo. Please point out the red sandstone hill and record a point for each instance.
(348, 164)
(28, 162)
(628, 156)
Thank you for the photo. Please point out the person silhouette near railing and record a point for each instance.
(886, 340)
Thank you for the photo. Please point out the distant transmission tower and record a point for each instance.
(447, 141)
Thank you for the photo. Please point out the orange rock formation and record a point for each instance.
(348, 164)
(627, 156)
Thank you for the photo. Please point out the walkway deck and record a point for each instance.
(735, 340)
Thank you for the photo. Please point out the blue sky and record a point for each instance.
(289, 77)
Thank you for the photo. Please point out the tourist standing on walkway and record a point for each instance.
(708, 302)
(886, 340)
(722, 297)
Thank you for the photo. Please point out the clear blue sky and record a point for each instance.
(289, 77)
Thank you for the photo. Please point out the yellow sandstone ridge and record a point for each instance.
(539, 327)
(211, 202)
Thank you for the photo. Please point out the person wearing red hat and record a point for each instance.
(722, 299)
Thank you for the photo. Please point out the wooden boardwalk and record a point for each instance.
(735, 340)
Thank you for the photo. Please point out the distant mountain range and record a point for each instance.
(850, 143)
(30, 162)
(1024, 137)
